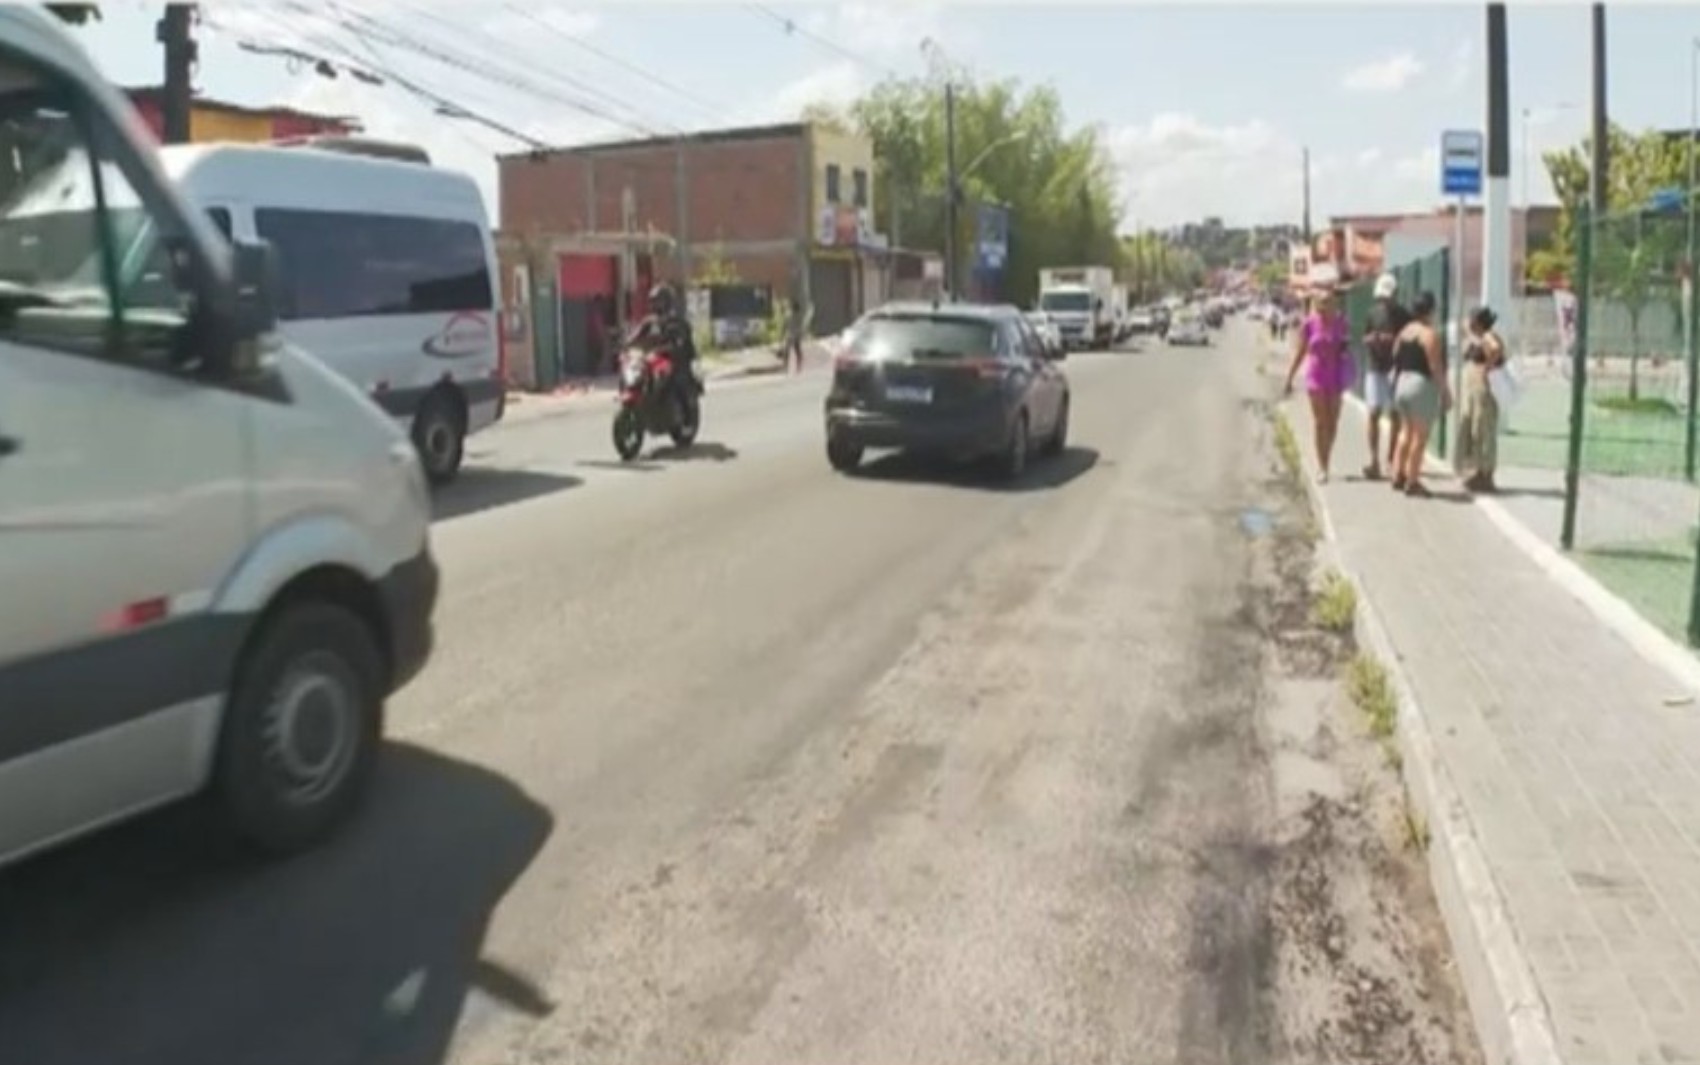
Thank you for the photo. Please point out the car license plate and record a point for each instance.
(908, 394)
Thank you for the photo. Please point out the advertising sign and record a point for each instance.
(991, 240)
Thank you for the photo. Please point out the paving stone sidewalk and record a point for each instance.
(1577, 761)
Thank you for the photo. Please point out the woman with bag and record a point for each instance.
(1478, 407)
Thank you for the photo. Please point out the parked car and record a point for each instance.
(387, 274)
(1188, 331)
(216, 554)
(952, 380)
(1049, 332)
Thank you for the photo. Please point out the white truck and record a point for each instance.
(1082, 300)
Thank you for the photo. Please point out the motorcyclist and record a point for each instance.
(666, 328)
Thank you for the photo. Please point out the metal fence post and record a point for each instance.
(1584, 230)
(1444, 317)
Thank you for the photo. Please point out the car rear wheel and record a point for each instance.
(301, 734)
(1058, 443)
(1014, 461)
(844, 455)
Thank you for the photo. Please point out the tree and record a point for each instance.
(1059, 185)
(1637, 255)
(75, 14)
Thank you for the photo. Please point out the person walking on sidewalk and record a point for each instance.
(1386, 319)
(1420, 393)
(1321, 348)
(1478, 410)
(796, 327)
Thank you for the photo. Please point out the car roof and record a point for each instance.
(991, 312)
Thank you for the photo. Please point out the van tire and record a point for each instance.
(326, 658)
(439, 435)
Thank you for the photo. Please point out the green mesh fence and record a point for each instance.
(1631, 505)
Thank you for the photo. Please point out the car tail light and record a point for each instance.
(984, 366)
(846, 360)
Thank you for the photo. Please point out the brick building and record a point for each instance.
(215, 120)
(788, 206)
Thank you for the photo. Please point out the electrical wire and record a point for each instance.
(791, 27)
(707, 107)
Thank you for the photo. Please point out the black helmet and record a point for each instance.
(661, 300)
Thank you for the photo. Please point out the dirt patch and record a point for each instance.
(1361, 972)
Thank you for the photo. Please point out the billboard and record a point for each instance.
(991, 237)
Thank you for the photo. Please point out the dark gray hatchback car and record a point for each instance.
(956, 380)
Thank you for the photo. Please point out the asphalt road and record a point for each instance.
(726, 758)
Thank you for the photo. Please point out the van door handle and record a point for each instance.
(9, 444)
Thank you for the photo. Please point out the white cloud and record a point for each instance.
(1177, 168)
(1463, 64)
(1383, 75)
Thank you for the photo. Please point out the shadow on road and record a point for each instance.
(486, 488)
(152, 945)
(1042, 473)
(698, 452)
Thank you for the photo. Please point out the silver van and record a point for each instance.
(214, 551)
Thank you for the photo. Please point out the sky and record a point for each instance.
(1205, 108)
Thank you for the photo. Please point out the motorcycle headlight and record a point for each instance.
(630, 372)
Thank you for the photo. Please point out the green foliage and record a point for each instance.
(1371, 691)
(1153, 266)
(1335, 606)
(715, 269)
(1641, 164)
(1058, 184)
(75, 14)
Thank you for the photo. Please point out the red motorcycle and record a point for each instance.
(651, 404)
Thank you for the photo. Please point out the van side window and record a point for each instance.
(340, 264)
(220, 219)
(85, 265)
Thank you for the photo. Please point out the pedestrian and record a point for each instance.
(1420, 393)
(1478, 408)
(794, 330)
(1386, 319)
(1321, 349)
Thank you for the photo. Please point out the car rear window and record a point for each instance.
(927, 337)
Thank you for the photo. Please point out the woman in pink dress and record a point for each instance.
(1322, 348)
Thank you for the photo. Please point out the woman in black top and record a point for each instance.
(1478, 411)
(1420, 393)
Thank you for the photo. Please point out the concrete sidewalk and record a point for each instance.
(1558, 768)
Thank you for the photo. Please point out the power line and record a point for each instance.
(791, 27)
(504, 56)
(707, 107)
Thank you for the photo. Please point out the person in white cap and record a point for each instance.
(1386, 319)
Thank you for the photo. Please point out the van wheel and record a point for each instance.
(439, 435)
(301, 732)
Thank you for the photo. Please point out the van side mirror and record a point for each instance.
(255, 274)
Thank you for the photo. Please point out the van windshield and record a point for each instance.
(1065, 301)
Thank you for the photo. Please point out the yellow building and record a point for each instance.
(847, 261)
(216, 120)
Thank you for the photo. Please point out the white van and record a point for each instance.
(388, 275)
(214, 551)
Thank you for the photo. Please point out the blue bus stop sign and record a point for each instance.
(1461, 158)
(1667, 200)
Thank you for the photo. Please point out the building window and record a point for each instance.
(859, 187)
(832, 193)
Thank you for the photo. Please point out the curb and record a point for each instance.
(1511, 1018)
(1646, 638)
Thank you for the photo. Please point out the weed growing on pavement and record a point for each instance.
(1287, 445)
(1336, 603)
(1416, 829)
(1372, 692)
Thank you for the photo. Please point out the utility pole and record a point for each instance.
(1600, 168)
(950, 189)
(175, 31)
(1496, 201)
(1307, 232)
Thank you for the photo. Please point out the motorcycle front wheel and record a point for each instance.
(628, 434)
(686, 424)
